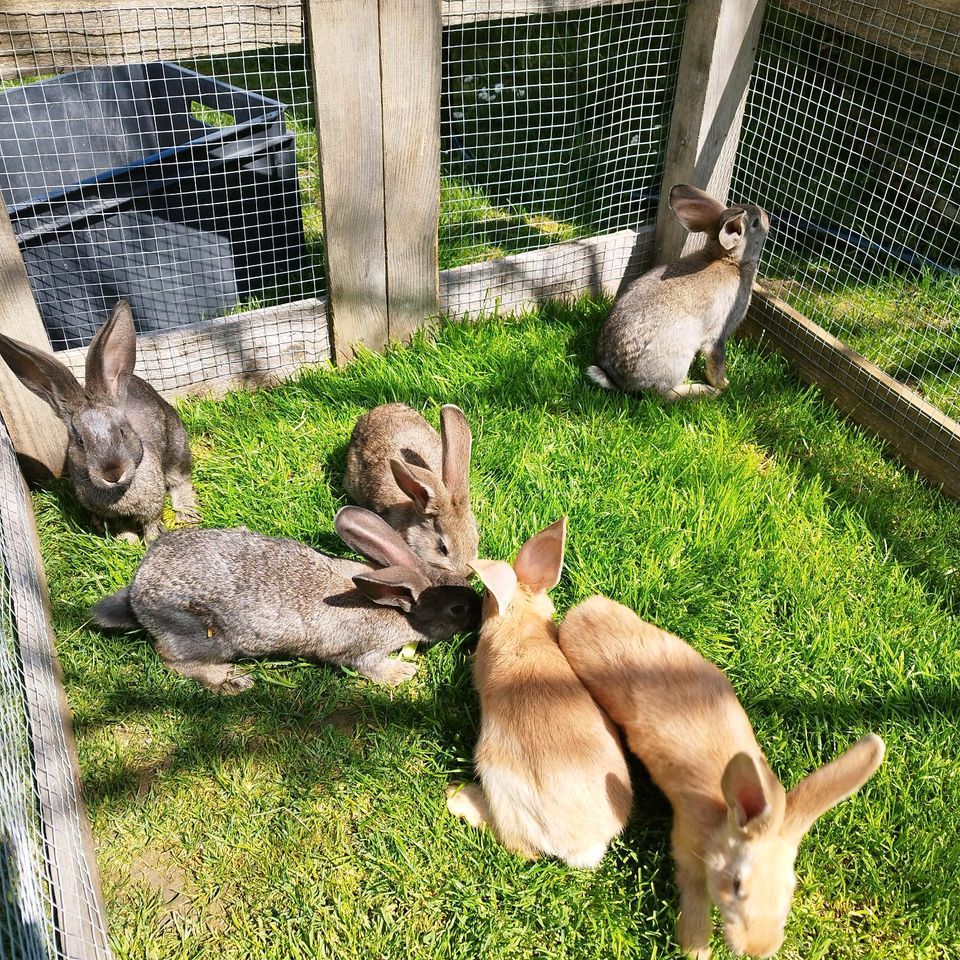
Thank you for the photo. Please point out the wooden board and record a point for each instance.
(410, 47)
(470, 11)
(38, 434)
(719, 48)
(51, 37)
(345, 45)
(921, 435)
(927, 31)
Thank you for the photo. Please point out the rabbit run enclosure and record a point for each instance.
(271, 185)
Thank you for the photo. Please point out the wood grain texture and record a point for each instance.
(471, 11)
(927, 31)
(38, 434)
(719, 49)
(410, 48)
(345, 45)
(56, 37)
(921, 435)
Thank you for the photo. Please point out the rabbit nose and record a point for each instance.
(112, 473)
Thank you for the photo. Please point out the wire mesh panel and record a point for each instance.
(851, 140)
(49, 904)
(167, 156)
(553, 129)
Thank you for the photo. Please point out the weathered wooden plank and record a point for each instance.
(37, 433)
(253, 349)
(56, 37)
(470, 11)
(513, 284)
(345, 56)
(921, 435)
(410, 47)
(719, 48)
(927, 31)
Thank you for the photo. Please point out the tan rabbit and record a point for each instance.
(735, 830)
(399, 467)
(553, 774)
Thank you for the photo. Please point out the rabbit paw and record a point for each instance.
(128, 536)
(184, 502)
(467, 802)
(388, 671)
(231, 681)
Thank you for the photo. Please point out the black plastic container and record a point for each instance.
(151, 183)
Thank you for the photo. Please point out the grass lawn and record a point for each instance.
(306, 818)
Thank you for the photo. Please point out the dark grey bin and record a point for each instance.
(116, 186)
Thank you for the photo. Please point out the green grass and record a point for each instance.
(306, 818)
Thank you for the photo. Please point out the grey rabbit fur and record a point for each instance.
(662, 319)
(211, 597)
(126, 445)
(399, 467)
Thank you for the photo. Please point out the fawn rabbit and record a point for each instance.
(553, 774)
(126, 445)
(210, 597)
(735, 829)
(417, 480)
(662, 319)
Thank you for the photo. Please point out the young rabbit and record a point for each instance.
(662, 319)
(735, 829)
(210, 597)
(553, 774)
(126, 444)
(417, 480)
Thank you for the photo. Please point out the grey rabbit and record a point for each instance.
(417, 480)
(662, 319)
(126, 445)
(211, 597)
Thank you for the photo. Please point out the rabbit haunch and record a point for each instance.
(553, 777)
(735, 830)
(662, 319)
(418, 480)
(211, 597)
(126, 445)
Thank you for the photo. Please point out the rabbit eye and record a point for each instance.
(737, 884)
(458, 609)
(756, 222)
(442, 547)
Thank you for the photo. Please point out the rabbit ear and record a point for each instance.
(749, 791)
(456, 439)
(826, 787)
(498, 577)
(49, 379)
(696, 210)
(392, 587)
(112, 354)
(372, 537)
(540, 560)
(418, 483)
(733, 228)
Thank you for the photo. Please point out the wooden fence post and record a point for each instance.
(719, 48)
(38, 434)
(344, 38)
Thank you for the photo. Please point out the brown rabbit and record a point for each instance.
(735, 830)
(399, 467)
(553, 772)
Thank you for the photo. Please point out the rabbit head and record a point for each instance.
(750, 859)
(738, 231)
(102, 443)
(535, 571)
(438, 606)
(444, 533)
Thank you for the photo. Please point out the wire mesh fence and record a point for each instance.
(49, 904)
(851, 140)
(553, 128)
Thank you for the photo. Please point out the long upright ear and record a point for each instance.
(456, 440)
(540, 560)
(418, 483)
(498, 577)
(825, 788)
(49, 379)
(754, 797)
(392, 587)
(112, 354)
(372, 537)
(696, 210)
(733, 228)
